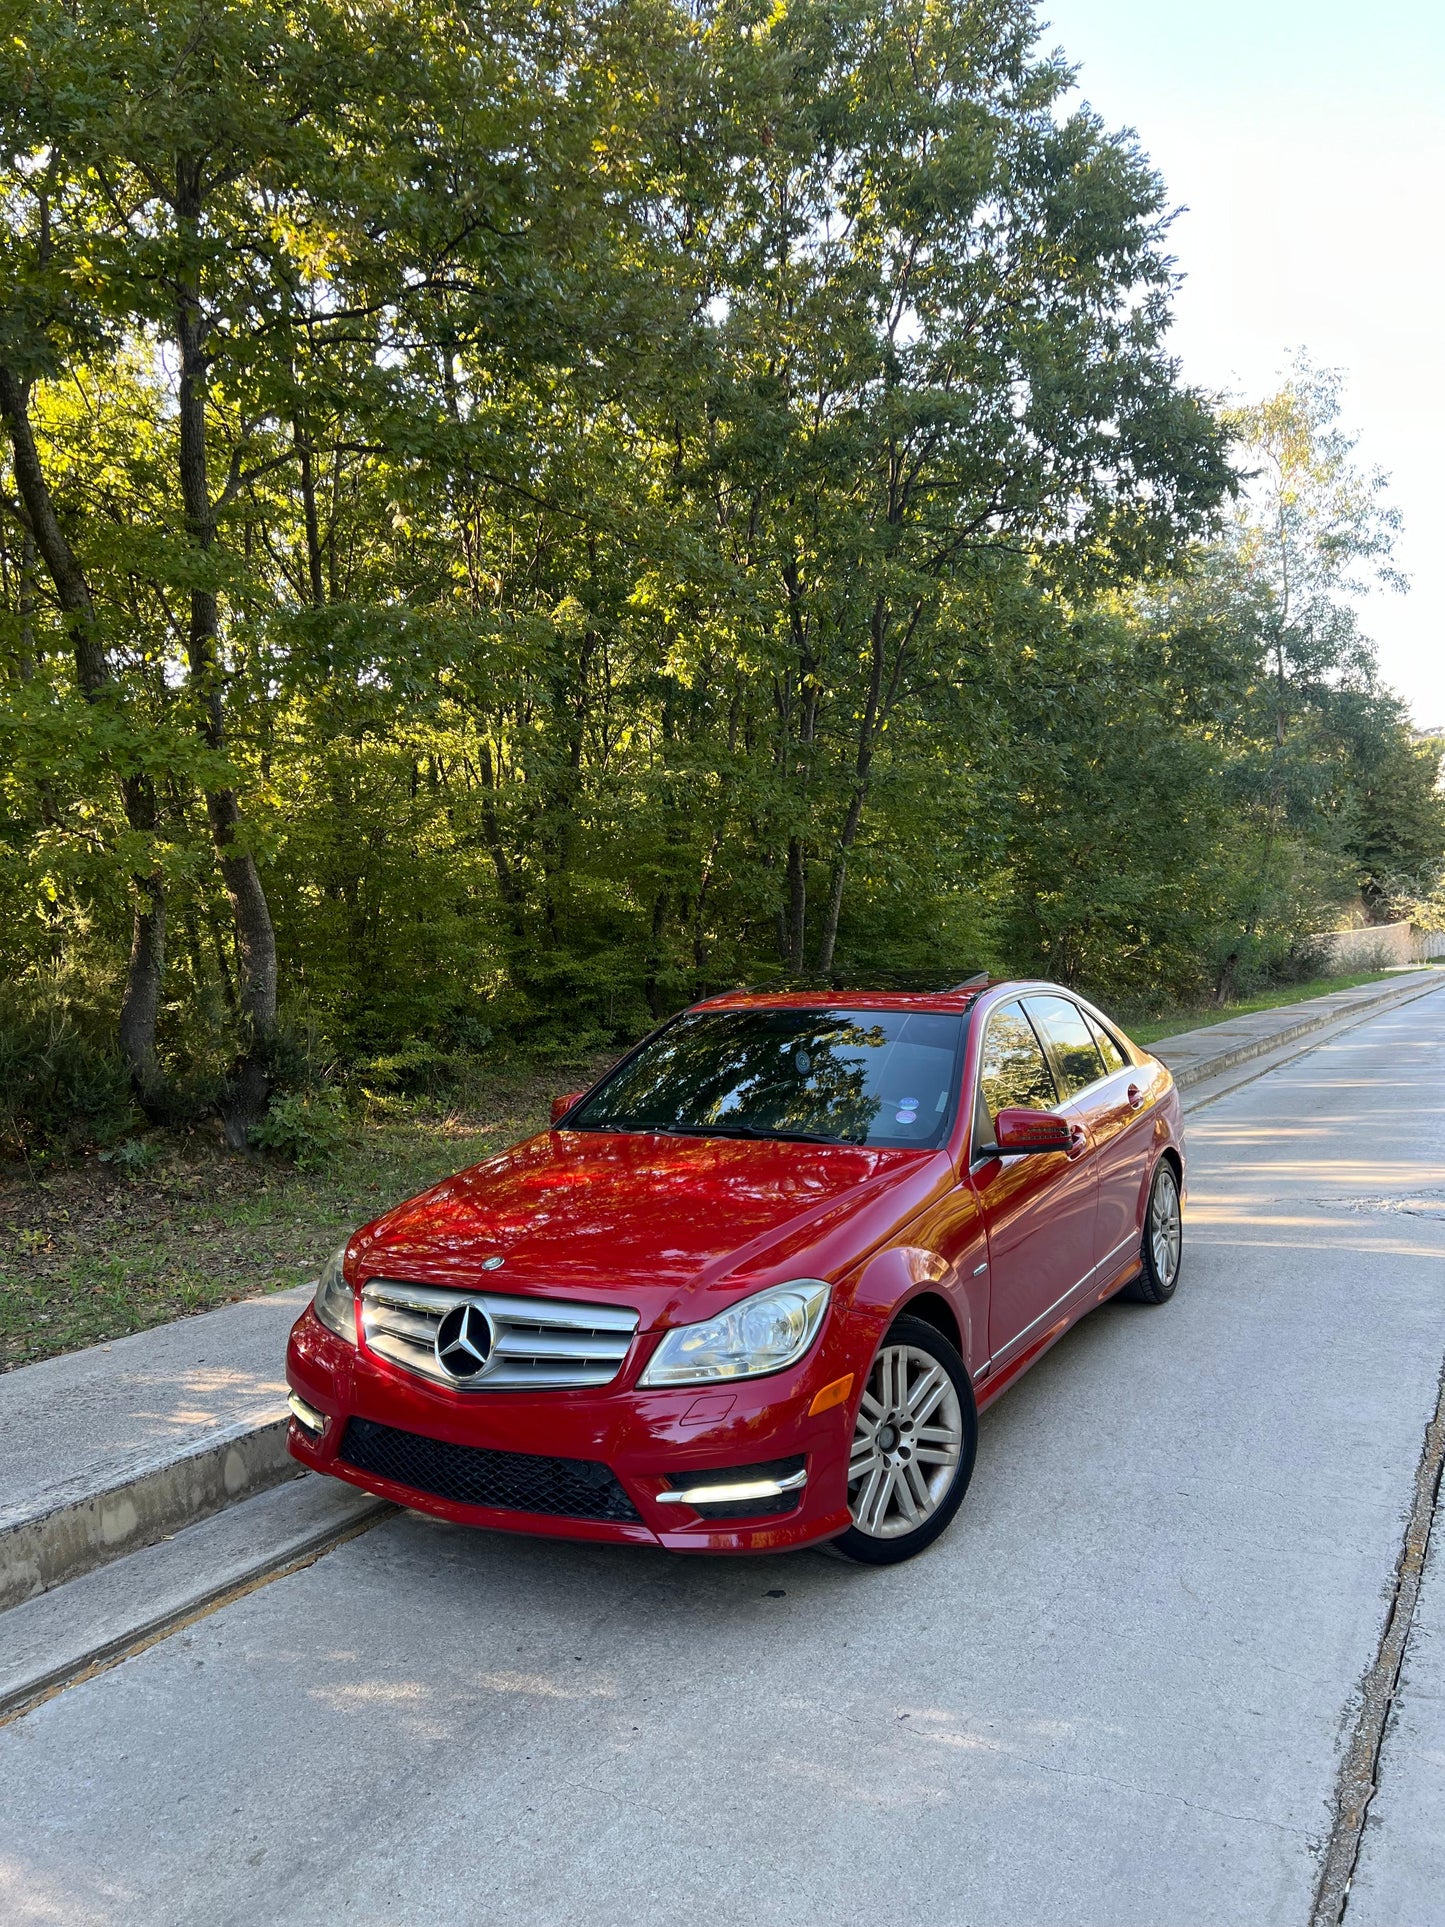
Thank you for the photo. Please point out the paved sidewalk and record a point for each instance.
(1194, 1055)
(93, 1418)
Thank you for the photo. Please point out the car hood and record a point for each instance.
(676, 1226)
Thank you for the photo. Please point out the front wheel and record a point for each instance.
(1163, 1249)
(913, 1447)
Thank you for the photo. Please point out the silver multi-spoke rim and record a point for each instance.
(1166, 1233)
(907, 1444)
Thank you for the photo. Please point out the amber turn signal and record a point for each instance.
(831, 1395)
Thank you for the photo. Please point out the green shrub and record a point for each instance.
(416, 1067)
(133, 1155)
(306, 1126)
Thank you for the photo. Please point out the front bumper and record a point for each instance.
(653, 1442)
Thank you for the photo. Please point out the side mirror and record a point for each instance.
(1018, 1132)
(562, 1105)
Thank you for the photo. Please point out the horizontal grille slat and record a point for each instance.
(471, 1475)
(585, 1345)
(539, 1344)
(538, 1311)
(518, 1375)
(406, 1351)
(409, 1324)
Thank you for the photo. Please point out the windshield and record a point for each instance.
(839, 1076)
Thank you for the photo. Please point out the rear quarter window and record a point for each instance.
(1109, 1049)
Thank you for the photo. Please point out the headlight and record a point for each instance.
(335, 1301)
(761, 1335)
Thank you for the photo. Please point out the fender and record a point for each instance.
(1167, 1136)
(892, 1278)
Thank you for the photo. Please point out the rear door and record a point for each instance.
(1125, 1129)
(1038, 1210)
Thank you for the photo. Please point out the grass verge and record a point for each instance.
(1151, 1030)
(89, 1253)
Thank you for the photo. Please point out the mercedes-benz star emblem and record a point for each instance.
(464, 1341)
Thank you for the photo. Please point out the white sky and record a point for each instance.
(1305, 141)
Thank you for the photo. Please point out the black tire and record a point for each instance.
(1157, 1282)
(910, 1341)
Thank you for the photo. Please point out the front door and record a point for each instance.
(1110, 1095)
(1038, 1209)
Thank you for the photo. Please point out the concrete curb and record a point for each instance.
(59, 1638)
(66, 1540)
(1264, 1045)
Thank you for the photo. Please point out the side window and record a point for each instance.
(1071, 1042)
(1114, 1058)
(1014, 1071)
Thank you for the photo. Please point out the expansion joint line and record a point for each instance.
(1360, 1769)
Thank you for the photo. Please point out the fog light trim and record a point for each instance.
(306, 1415)
(697, 1495)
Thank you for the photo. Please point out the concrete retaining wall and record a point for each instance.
(1377, 946)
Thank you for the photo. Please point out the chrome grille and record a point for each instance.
(540, 1344)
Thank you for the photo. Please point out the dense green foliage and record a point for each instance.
(518, 513)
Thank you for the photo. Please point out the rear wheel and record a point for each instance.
(913, 1447)
(1163, 1249)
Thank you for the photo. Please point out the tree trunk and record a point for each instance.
(25, 607)
(508, 887)
(1224, 980)
(140, 1006)
(794, 920)
(313, 520)
(248, 1093)
(862, 765)
(882, 695)
(797, 925)
(140, 1001)
(840, 871)
(650, 987)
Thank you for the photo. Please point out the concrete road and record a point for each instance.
(1119, 1691)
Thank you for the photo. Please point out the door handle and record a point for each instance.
(1135, 1096)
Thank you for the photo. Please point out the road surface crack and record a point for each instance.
(1360, 1769)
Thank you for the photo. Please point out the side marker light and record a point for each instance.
(831, 1395)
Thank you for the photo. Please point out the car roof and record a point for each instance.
(958, 997)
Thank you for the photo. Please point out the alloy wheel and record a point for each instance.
(1166, 1235)
(907, 1444)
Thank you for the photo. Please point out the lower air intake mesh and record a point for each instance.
(468, 1475)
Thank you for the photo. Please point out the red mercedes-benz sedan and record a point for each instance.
(751, 1291)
